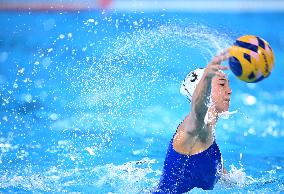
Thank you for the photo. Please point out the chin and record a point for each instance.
(224, 108)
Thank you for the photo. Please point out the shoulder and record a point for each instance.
(184, 140)
(188, 140)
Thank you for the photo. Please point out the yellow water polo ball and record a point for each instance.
(251, 58)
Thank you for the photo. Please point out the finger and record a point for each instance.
(221, 67)
(221, 74)
(217, 67)
(218, 59)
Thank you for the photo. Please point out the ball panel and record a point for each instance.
(247, 57)
(263, 65)
(259, 79)
(240, 62)
(249, 39)
(260, 42)
(235, 66)
(270, 56)
(246, 45)
(251, 76)
(254, 55)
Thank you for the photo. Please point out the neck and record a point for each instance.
(212, 116)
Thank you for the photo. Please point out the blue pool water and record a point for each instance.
(90, 100)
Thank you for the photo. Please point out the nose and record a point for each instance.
(229, 91)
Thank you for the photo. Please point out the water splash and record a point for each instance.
(227, 114)
(96, 95)
(236, 177)
(130, 177)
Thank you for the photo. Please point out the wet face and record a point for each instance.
(221, 93)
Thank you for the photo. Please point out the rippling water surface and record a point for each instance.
(90, 100)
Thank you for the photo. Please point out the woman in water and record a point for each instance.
(193, 158)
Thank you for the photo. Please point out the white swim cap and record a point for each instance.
(190, 82)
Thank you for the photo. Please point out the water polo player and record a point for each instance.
(193, 158)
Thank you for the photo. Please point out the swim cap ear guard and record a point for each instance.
(190, 82)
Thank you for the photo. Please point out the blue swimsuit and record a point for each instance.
(182, 173)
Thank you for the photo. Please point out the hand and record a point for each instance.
(214, 68)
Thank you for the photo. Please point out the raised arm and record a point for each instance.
(201, 95)
(191, 129)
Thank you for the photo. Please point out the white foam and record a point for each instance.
(27, 98)
(227, 114)
(236, 177)
(128, 177)
(90, 151)
(5, 118)
(21, 70)
(61, 36)
(91, 20)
